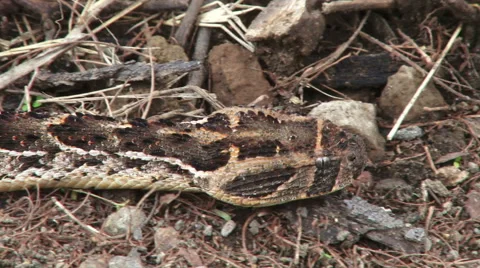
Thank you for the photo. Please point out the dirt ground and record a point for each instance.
(428, 183)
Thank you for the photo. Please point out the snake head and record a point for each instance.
(340, 159)
(337, 157)
(353, 158)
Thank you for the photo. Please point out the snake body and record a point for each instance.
(247, 157)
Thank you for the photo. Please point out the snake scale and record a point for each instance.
(243, 156)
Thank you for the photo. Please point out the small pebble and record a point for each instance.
(122, 262)
(473, 167)
(165, 239)
(457, 236)
(453, 255)
(228, 228)
(208, 230)
(303, 211)
(437, 187)
(254, 227)
(342, 235)
(125, 219)
(416, 235)
(451, 175)
(409, 133)
(179, 225)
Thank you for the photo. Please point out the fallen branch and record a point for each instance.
(425, 82)
(76, 34)
(130, 71)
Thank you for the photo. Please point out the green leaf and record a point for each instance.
(457, 162)
(37, 104)
(222, 214)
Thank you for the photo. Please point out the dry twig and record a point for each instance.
(425, 82)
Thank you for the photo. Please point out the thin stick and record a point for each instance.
(352, 6)
(296, 259)
(75, 219)
(322, 65)
(67, 43)
(188, 22)
(28, 97)
(416, 67)
(152, 86)
(425, 82)
(425, 57)
(429, 159)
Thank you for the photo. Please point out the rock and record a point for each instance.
(302, 211)
(228, 228)
(127, 219)
(359, 116)
(191, 256)
(163, 51)
(451, 175)
(179, 225)
(474, 125)
(359, 207)
(125, 262)
(95, 261)
(399, 90)
(343, 235)
(436, 187)
(254, 227)
(453, 255)
(284, 32)
(409, 133)
(208, 230)
(390, 184)
(416, 235)
(473, 167)
(237, 77)
(472, 205)
(166, 239)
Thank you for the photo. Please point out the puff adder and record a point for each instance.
(246, 157)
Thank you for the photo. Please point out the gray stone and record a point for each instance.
(451, 175)
(473, 167)
(165, 239)
(375, 214)
(228, 228)
(343, 235)
(179, 225)
(95, 261)
(390, 184)
(437, 187)
(409, 133)
(125, 262)
(127, 219)
(303, 211)
(400, 89)
(359, 116)
(453, 255)
(254, 227)
(416, 235)
(208, 230)
(298, 26)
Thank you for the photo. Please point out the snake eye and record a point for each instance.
(322, 162)
(351, 157)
